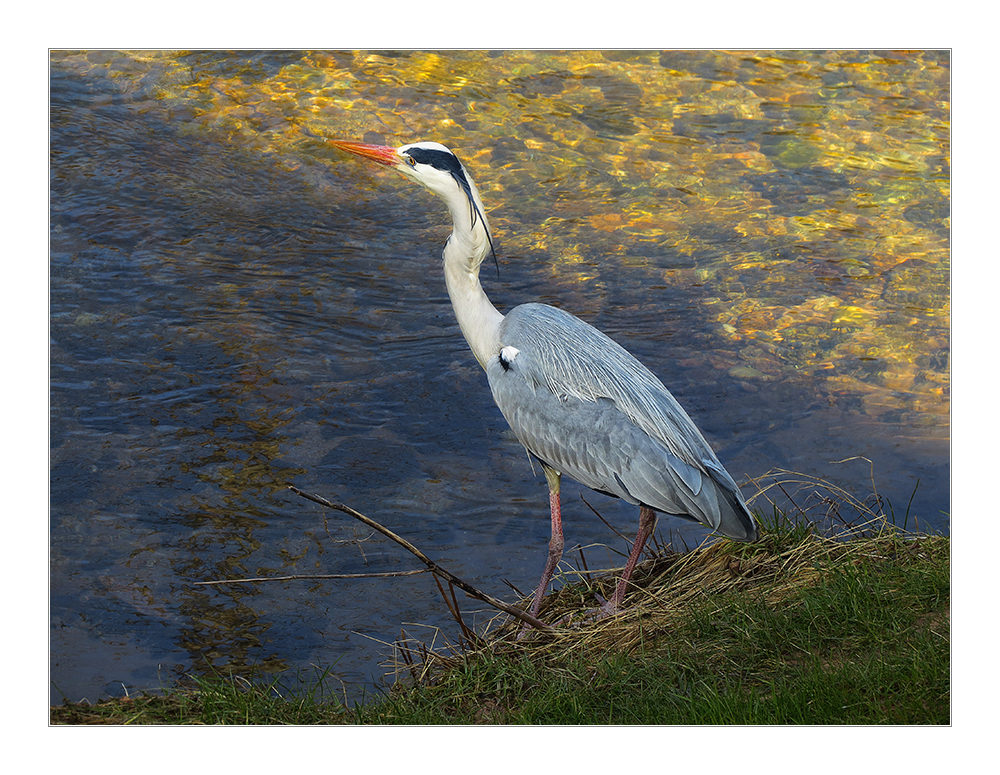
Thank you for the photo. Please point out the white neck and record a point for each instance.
(465, 250)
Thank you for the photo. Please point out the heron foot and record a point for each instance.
(605, 609)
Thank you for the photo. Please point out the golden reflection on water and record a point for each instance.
(805, 195)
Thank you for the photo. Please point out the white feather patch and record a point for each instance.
(508, 354)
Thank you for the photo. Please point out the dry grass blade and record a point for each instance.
(819, 501)
(314, 576)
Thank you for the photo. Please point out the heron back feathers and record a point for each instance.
(585, 406)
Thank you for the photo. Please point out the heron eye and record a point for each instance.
(411, 161)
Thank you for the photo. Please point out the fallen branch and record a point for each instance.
(436, 569)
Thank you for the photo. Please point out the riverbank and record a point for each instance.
(797, 628)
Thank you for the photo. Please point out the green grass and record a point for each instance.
(215, 700)
(806, 631)
(868, 644)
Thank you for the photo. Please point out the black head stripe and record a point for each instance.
(448, 162)
(439, 160)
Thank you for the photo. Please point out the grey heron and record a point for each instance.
(580, 403)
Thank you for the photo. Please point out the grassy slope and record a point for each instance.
(792, 630)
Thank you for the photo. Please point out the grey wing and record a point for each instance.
(586, 407)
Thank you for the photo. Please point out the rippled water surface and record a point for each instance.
(236, 306)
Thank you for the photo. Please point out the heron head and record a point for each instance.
(434, 167)
(430, 164)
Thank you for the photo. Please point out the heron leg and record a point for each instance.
(555, 542)
(647, 521)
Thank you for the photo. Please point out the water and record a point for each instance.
(235, 308)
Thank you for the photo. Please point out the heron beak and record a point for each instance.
(381, 154)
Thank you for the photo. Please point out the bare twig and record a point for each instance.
(404, 652)
(611, 527)
(455, 611)
(324, 576)
(517, 591)
(586, 570)
(436, 569)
